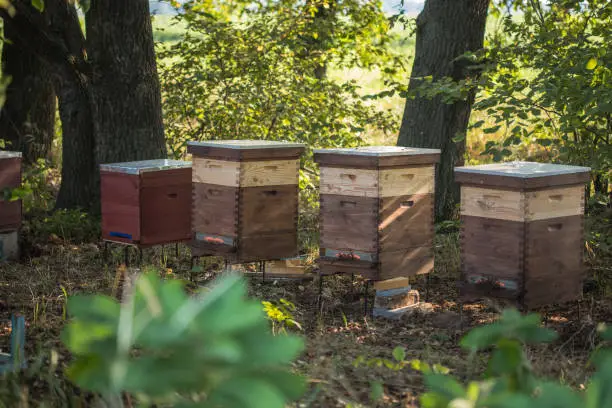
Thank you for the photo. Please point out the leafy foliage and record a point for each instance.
(281, 315)
(509, 380)
(549, 81)
(167, 348)
(258, 72)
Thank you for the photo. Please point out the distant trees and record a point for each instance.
(106, 84)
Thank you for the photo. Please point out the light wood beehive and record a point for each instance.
(522, 231)
(245, 199)
(376, 215)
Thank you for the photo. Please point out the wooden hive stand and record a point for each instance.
(522, 232)
(245, 200)
(376, 217)
(10, 210)
(146, 203)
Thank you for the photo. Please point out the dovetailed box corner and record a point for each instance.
(245, 199)
(376, 216)
(522, 235)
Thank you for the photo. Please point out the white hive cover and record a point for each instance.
(9, 155)
(523, 169)
(246, 144)
(378, 151)
(138, 167)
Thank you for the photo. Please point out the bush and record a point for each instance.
(163, 347)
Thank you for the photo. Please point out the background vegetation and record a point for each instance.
(277, 71)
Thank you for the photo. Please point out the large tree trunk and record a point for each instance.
(27, 119)
(109, 97)
(446, 29)
(127, 99)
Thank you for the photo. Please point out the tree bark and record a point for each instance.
(446, 29)
(107, 87)
(27, 119)
(126, 92)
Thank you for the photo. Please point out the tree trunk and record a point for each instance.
(27, 119)
(446, 29)
(126, 92)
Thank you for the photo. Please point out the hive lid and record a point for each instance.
(9, 155)
(522, 174)
(247, 150)
(378, 151)
(139, 167)
(246, 144)
(376, 157)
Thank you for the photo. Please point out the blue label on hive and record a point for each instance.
(120, 235)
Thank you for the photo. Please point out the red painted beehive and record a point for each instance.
(146, 202)
(522, 231)
(376, 214)
(10, 177)
(245, 199)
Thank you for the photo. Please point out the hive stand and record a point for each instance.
(522, 232)
(10, 211)
(376, 217)
(245, 200)
(145, 203)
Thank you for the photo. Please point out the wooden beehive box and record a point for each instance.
(146, 202)
(245, 199)
(522, 231)
(10, 177)
(376, 214)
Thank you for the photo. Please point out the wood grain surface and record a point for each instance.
(269, 173)
(215, 209)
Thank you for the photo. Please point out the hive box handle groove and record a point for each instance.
(344, 203)
(556, 197)
(172, 195)
(351, 177)
(555, 227)
(407, 204)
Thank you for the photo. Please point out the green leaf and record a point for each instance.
(444, 385)
(399, 354)
(38, 5)
(491, 130)
(376, 391)
(591, 64)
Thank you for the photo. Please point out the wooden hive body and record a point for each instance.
(522, 231)
(376, 216)
(10, 177)
(245, 199)
(146, 203)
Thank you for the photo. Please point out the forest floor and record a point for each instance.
(53, 268)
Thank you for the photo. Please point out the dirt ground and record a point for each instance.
(335, 338)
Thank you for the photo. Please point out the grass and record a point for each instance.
(57, 264)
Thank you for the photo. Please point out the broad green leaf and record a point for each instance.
(399, 354)
(591, 64)
(38, 5)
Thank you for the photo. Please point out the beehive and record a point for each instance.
(522, 231)
(146, 202)
(245, 199)
(10, 178)
(376, 214)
